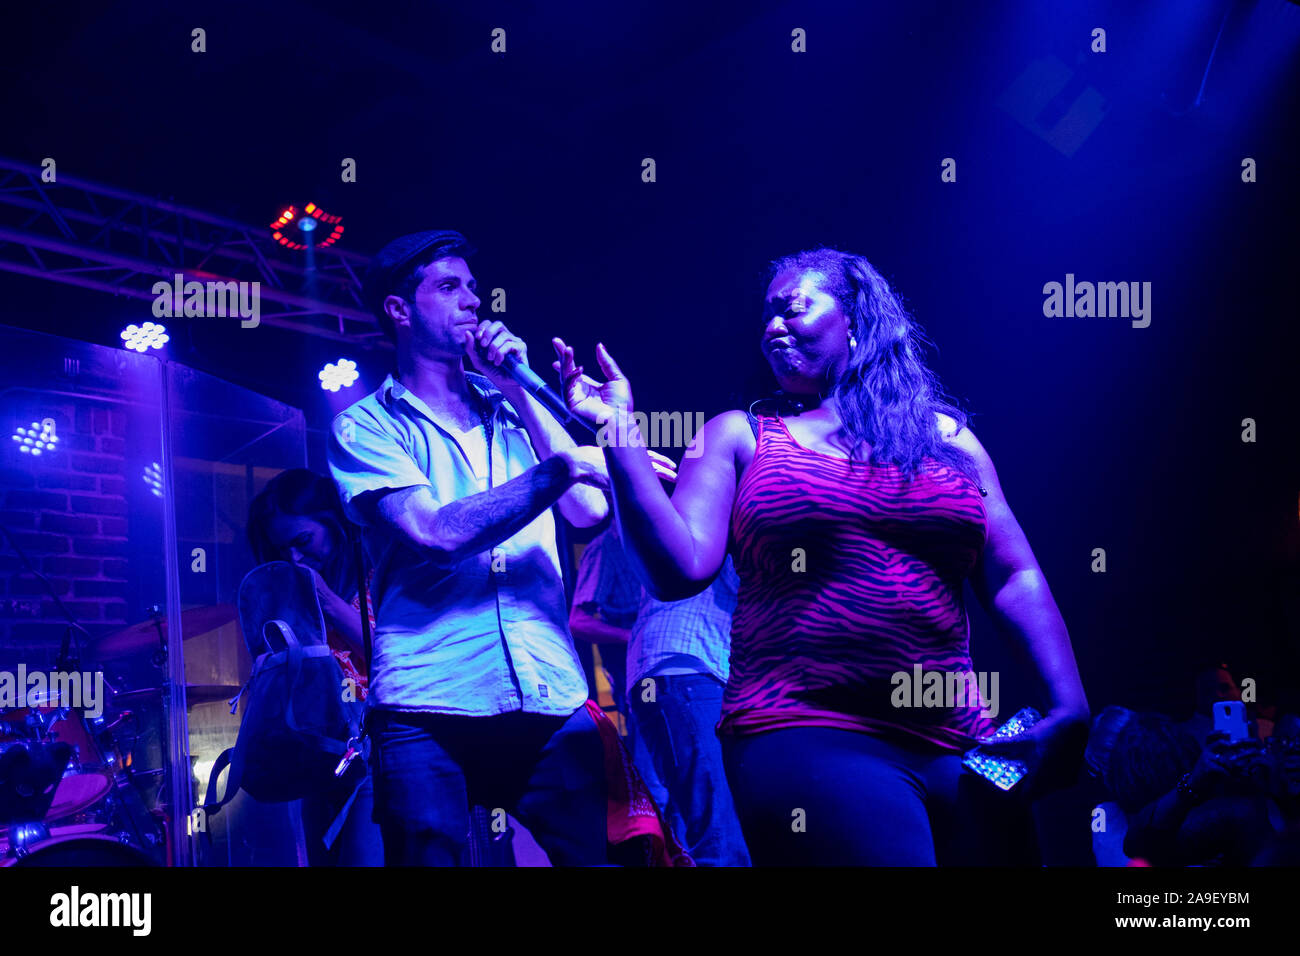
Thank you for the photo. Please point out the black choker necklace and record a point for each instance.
(788, 404)
(780, 404)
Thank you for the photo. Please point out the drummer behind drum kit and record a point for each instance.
(71, 790)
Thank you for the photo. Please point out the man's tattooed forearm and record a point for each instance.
(470, 525)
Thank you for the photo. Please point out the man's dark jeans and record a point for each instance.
(676, 729)
(549, 772)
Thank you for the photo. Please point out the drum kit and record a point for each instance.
(76, 789)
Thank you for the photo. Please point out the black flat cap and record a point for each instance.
(395, 257)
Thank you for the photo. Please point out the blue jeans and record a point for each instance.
(549, 772)
(676, 729)
(811, 796)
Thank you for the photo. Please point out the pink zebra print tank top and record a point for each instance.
(849, 575)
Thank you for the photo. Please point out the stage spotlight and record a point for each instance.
(142, 338)
(314, 216)
(153, 478)
(335, 376)
(37, 440)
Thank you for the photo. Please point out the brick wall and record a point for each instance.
(69, 513)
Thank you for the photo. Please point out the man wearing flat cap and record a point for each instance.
(477, 695)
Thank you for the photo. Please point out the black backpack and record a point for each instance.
(297, 725)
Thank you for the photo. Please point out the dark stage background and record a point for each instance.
(1105, 435)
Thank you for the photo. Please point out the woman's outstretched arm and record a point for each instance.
(677, 544)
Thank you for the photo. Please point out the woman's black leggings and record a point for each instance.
(812, 796)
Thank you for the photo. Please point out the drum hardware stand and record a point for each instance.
(23, 835)
(69, 659)
(159, 657)
(159, 660)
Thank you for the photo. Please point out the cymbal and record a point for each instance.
(194, 694)
(143, 636)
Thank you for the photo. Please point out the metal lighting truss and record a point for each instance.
(98, 237)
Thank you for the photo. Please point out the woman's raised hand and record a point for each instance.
(595, 402)
(601, 403)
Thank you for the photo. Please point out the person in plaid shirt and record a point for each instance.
(674, 672)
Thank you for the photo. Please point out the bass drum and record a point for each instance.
(78, 849)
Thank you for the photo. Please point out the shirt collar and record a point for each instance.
(394, 391)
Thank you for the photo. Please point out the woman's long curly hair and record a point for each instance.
(301, 492)
(887, 396)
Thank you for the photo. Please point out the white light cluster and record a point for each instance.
(341, 375)
(142, 338)
(153, 478)
(36, 439)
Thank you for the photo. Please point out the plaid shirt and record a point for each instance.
(698, 627)
(694, 632)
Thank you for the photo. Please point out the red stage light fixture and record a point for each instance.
(305, 224)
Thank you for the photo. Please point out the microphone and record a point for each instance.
(533, 384)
